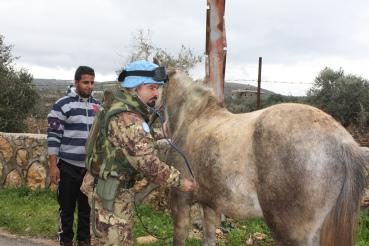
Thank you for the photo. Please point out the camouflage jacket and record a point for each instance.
(129, 133)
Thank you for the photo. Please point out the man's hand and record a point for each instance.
(54, 170)
(187, 185)
(54, 174)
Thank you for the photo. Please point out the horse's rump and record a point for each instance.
(309, 169)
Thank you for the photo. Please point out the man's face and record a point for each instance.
(85, 85)
(148, 93)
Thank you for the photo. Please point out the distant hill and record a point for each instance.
(58, 84)
(52, 82)
(229, 87)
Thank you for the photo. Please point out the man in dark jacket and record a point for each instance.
(70, 121)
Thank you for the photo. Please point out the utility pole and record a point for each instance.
(216, 51)
(259, 84)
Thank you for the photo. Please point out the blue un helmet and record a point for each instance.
(142, 72)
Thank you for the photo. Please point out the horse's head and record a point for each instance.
(170, 97)
(183, 99)
(172, 91)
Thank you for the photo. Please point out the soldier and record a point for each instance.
(129, 151)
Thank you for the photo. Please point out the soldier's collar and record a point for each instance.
(135, 103)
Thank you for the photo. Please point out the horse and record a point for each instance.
(291, 164)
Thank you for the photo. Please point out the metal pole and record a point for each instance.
(215, 47)
(259, 84)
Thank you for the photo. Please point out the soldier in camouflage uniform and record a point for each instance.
(132, 140)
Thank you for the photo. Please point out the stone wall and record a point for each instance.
(23, 160)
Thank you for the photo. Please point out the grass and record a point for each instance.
(34, 213)
(31, 213)
(363, 230)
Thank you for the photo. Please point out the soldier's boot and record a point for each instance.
(66, 243)
(84, 243)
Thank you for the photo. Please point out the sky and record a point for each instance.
(296, 39)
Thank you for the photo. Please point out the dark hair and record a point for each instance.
(81, 70)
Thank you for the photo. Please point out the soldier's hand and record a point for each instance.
(54, 174)
(187, 185)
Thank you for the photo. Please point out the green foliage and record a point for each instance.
(243, 105)
(363, 230)
(345, 97)
(17, 94)
(245, 229)
(240, 105)
(142, 48)
(185, 60)
(35, 213)
(25, 212)
(277, 98)
(158, 223)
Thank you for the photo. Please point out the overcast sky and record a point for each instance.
(296, 38)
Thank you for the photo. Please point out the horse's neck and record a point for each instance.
(189, 106)
(177, 119)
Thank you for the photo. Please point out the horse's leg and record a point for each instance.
(180, 207)
(211, 219)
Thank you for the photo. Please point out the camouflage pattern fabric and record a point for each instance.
(115, 228)
(127, 133)
(87, 186)
(130, 138)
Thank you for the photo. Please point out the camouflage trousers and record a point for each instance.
(114, 228)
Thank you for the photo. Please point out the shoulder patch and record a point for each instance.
(54, 123)
(146, 127)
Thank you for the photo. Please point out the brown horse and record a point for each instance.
(291, 164)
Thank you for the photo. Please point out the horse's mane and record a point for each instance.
(194, 95)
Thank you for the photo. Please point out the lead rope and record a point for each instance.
(180, 152)
(148, 231)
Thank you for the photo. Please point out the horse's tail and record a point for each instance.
(339, 226)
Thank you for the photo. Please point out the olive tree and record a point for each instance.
(345, 97)
(17, 93)
(143, 48)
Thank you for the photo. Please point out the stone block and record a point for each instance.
(6, 148)
(22, 157)
(36, 176)
(29, 142)
(13, 179)
(18, 142)
(39, 151)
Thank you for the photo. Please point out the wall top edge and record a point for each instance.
(30, 135)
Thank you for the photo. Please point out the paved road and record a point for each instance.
(15, 241)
